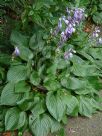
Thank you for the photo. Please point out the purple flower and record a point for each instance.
(95, 34)
(58, 28)
(63, 36)
(100, 40)
(70, 29)
(69, 54)
(78, 15)
(66, 21)
(16, 51)
(96, 31)
(67, 33)
(74, 17)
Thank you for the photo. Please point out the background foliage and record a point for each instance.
(39, 88)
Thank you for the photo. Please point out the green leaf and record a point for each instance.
(17, 39)
(85, 107)
(95, 53)
(5, 59)
(22, 87)
(27, 102)
(94, 9)
(11, 118)
(51, 84)
(1, 123)
(38, 108)
(84, 70)
(97, 17)
(52, 70)
(96, 105)
(44, 123)
(32, 42)
(71, 104)
(36, 42)
(62, 64)
(34, 78)
(25, 53)
(36, 18)
(65, 119)
(39, 5)
(87, 90)
(55, 125)
(1, 130)
(83, 2)
(100, 6)
(95, 82)
(73, 83)
(55, 105)
(17, 73)
(2, 73)
(14, 119)
(22, 120)
(47, 52)
(87, 56)
(40, 126)
(76, 59)
(8, 95)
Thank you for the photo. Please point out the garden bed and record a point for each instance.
(53, 70)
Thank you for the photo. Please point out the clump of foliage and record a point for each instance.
(94, 9)
(47, 81)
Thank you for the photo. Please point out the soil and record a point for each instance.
(85, 126)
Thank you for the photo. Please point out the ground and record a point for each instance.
(81, 126)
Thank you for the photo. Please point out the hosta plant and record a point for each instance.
(53, 74)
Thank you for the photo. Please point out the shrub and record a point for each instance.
(54, 72)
